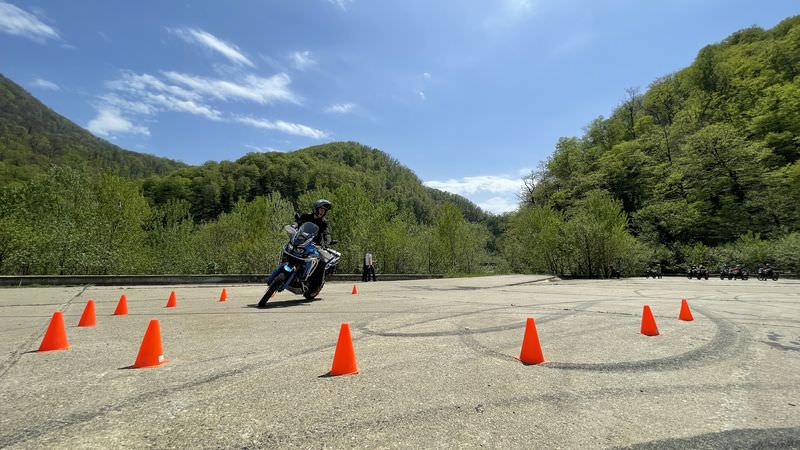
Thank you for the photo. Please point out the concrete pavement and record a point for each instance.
(437, 361)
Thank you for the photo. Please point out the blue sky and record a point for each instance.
(469, 94)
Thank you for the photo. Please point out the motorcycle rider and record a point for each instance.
(317, 217)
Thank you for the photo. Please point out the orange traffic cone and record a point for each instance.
(531, 352)
(150, 352)
(122, 306)
(355, 290)
(649, 327)
(344, 358)
(88, 318)
(172, 302)
(686, 313)
(224, 295)
(55, 338)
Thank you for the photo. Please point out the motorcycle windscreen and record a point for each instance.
(307, 232)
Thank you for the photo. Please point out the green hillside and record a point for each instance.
(33, 137)
(701, 158)
(704, 154)
(71, 203)
(214, 187)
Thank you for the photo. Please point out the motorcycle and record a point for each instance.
(301, 270)
(765, 273)
(738, 272)
(651, 272)
(697, 272)
(725, 272)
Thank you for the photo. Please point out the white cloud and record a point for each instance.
(146, 94)
(189, 106)
(341, 108)
(421, 95)
(19, 22)
(256, 148)
(342, 4)
(499, 205)
(136, 84)
(109, 121)
(251, 87)
(426, 75)
(302, 60)
(286, 127)
(482, 183)
(208, 40)
(44, 84)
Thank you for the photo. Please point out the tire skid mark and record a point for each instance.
(473, 344)
(727, 342)
(511, 326)
(15, 356)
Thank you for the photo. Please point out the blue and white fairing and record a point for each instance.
(300, 248)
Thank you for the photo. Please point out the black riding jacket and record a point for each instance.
(324, 236)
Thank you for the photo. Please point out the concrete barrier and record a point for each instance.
(134, 280)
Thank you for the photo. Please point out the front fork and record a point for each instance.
(283, 267)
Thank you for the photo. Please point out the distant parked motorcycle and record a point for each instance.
(765, 273)
(725, 272)
(652, 272)
(697, 272)
(738, 272)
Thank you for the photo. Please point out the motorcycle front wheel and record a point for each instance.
(273, 287)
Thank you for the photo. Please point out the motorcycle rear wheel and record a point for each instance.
(273, 287)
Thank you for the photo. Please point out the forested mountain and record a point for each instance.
(33, 137)
(71, 203)
(703, 155)
(708, 156)
(214, 187)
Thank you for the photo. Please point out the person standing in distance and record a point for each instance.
(369, 268)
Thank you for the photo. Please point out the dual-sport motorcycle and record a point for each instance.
(738, 272)
(301, 270)
(765, 273)
(652, 272)
(698, 272)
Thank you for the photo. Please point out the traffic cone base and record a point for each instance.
(172, 302)
(531, 352)
(88, 318)
(649, 327)
(55, 338)
(122, 306)
(686, 313)
(224, 295)
(151, 353)
(355, 290)
(344, 358)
